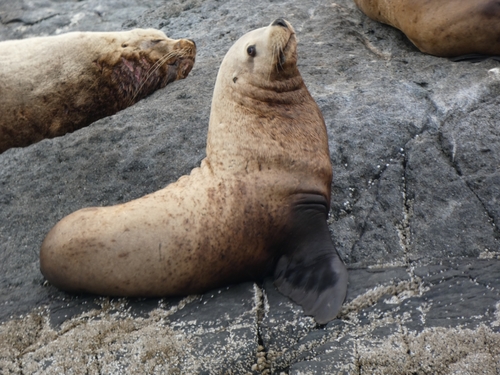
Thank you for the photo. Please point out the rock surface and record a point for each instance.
(415, 146)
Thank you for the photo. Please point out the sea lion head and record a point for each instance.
(145, 60)
(176, 56)
(262, 113)
(262, 58)
(268, 53)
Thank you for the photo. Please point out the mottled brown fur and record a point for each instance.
(50, 86)
(446, 28)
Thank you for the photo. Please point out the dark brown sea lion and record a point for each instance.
(50, 86)
(446, 28)
(257, 204)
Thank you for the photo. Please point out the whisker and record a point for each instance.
(280, 62)
(154, 68)
(149, 73)
(273, 49)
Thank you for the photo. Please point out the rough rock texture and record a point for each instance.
(415, 146)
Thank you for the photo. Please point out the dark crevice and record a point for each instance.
(492, 351)
(427, 128)
(404, 229)
(404, 338)
(449, 278)
(20, 20)
(490, 215)
(457, 268)
(374, 183)
(357, 363)
(259, 339)
(98, 364)
(260, 303)
(364, 224)
(455, 165)
(261, 352)
(475, 281)
(297, 353)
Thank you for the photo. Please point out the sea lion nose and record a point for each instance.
(280, 22)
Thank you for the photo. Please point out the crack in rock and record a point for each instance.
(436, 351)
(112, 340)
(262, 363)
(450, 156)
(30, 23)
(403, 228)
(347, 323)
(399, 292)
(490, 215)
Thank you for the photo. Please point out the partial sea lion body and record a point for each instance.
(50, 86)
(258, 202)
(446, 28)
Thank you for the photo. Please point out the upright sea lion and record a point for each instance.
(446, 28)
(258, 202)
(50, 86)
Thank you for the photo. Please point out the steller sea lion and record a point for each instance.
(257, 204)
(446, 28)
(53, 85)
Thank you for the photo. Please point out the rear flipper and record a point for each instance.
(310, 271)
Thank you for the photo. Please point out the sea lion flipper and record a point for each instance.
(311, 272)
(319, 287)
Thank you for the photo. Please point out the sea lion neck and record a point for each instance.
(263, 118)
(263, 96)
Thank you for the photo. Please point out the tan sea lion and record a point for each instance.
(445, 28)
(258, 202)
(50, 86)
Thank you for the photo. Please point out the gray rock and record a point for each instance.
(415, 211)
(447, 316)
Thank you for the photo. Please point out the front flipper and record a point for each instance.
(310, 271)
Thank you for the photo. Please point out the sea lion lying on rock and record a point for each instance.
(257, 204)
(446, 28)
(53, 85)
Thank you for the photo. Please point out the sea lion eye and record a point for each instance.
(252, 51)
